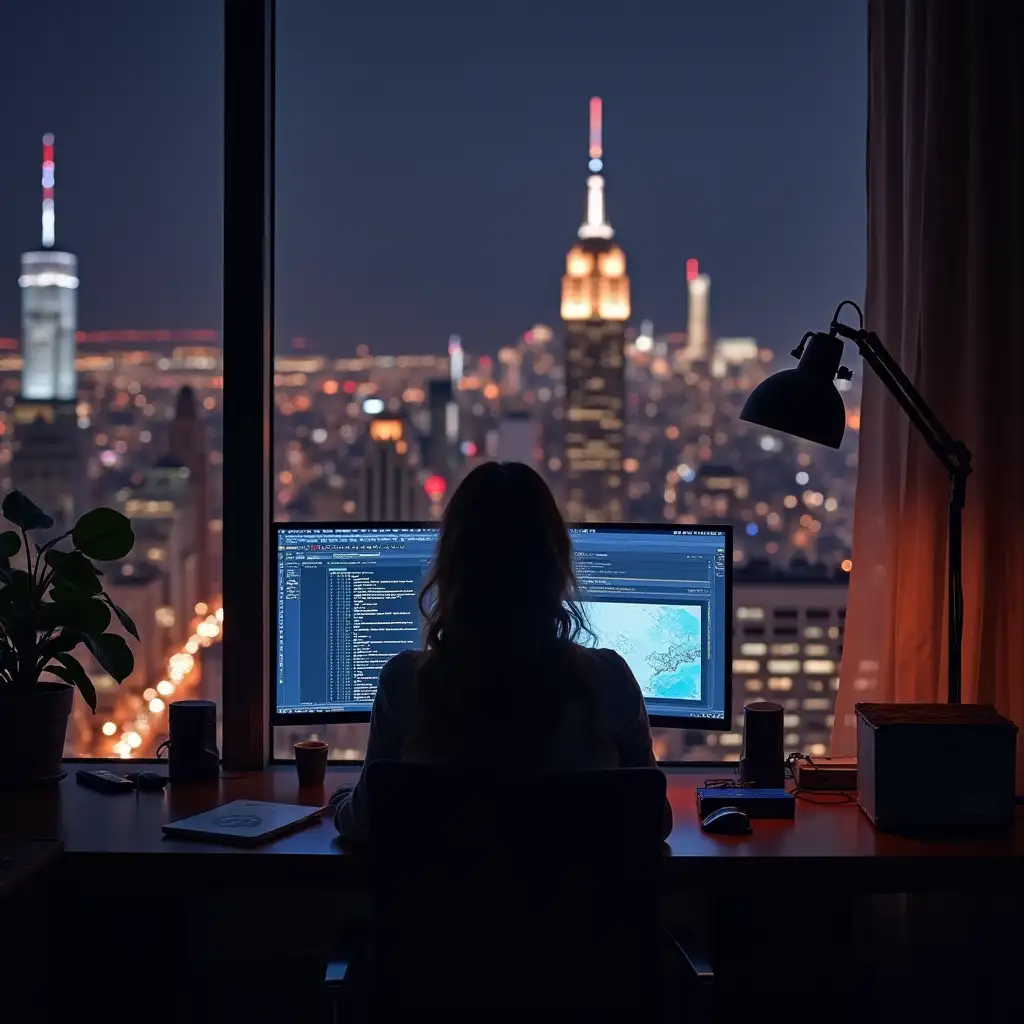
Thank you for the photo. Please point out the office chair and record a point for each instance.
(492, 892)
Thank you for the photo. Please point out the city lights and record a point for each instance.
(625, 421)
(135, 731)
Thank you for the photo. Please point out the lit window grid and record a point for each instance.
(801, 674)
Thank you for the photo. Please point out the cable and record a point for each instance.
(849, 302)
(827, 798)
(831, 797)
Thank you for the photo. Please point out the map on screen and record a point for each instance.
(661, 643)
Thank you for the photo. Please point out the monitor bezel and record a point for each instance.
(696, 723)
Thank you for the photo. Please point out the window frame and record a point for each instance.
(247, 359)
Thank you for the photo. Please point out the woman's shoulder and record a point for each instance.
(619, 699)
(396, 686)
(400, 667)
(603, 665)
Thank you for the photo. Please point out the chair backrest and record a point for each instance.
(495, 889)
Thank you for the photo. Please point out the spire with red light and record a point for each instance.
(698, 332)
(48, 214)
(595, 225)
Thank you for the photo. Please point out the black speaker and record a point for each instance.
(193, 754)
(762, 763)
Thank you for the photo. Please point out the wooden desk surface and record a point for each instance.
(824, 843)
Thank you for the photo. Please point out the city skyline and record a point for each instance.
(458, 131)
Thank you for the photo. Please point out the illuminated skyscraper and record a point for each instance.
(389, 488)
(697, 285)
(49, 308)
(595, 308)
(47, 459)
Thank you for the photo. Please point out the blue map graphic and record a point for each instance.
(660, 643)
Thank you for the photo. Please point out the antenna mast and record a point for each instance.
(48, 215)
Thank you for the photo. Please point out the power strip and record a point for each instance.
(827, 773)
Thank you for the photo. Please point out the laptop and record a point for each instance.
(243, 822)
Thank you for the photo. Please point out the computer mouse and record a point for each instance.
(149, 782)
(727, 821)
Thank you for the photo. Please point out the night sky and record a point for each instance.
(432, 160)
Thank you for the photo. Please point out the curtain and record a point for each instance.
(945, 282)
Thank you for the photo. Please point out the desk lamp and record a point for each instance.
(805, 402)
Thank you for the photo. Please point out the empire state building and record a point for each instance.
(595, 308)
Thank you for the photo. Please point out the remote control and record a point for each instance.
(105, 782)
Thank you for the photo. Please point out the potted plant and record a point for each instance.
(52, 602)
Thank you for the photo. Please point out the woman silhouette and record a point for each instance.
(503, 677)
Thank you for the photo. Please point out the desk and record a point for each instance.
(831, 844)
(222, 920)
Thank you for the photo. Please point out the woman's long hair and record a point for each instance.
(501, 617)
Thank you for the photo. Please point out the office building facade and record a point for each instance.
(787, 645)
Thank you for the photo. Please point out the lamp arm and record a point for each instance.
(954, 455)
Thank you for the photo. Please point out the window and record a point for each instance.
(785, 648)
(783, 665)
(121, 102)
(819, 667)
(745, 665)
(415, 331)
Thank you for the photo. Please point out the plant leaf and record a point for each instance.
(24, 513)
(73, 569)
(10, 544)
(66, 642)
(71, 671)
(125, 619)
(113, 653)
(104, 534)
(63, 593)
(78, 613)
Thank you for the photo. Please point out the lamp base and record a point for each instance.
(935, 767)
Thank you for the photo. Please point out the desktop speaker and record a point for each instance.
(935, 767)
(192, 747)
(762, 763)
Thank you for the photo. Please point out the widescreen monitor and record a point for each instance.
(346, 602)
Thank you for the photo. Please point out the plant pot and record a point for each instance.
(33, 725)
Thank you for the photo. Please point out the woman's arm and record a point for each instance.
(384, 743)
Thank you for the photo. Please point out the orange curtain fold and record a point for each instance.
(945, 284)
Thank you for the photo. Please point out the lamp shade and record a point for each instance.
(803, 401)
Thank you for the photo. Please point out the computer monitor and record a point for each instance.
(346, 602)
